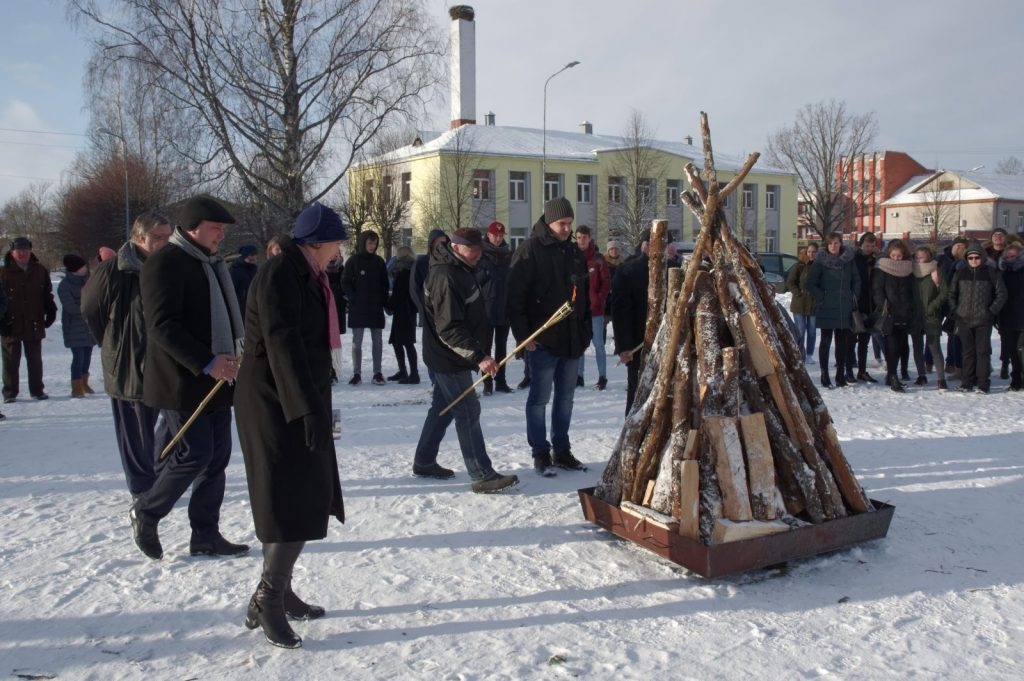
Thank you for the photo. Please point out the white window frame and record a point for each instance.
(769, 200)
(481, 185)
(671, 193)
(648, 187)
(748, 198)
(615, 190)
(406, 187)
(517, 187)
(928, 220)
(584, 189)
(1006, 219)
(552, 186)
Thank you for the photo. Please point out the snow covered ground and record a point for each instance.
(430, 581)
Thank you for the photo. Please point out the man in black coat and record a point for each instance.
(418, 280)
(493, 274)
(629, 314)
(243, 269)
(547, 272)
(112, 307)
(30, 311)
(864, 261)
(977, 296)
(454, 346)
(365, 282)
(193, 340)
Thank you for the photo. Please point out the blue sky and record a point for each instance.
(943, 76)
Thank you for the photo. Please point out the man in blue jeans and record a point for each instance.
(548, 271)
(456, 341)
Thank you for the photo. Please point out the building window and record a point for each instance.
(614, 190)
(481, 185)
(386, 189)
(647, 186)
(517, 235)
(406, 187)
(1006, 219)
(516, 186)
(672, 192)
(928, 220)
(584, 188)
(748, 197)
(407, 236)
(1020, 221)
(771, 198)
(368, 191)
(728, 201)
(552, 186)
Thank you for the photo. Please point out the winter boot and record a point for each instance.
(602, 383)
(378, 379)
(501, 386)
(411, 379)
(941, 385)
(567, 461)
(495, 482)
(435, 470)
(85, 384)
(579, 381)
(145, 535)
(865, 377)
(921, 380)
(542, 465)
(214, 544)
(841, 380)
(398, 376)
(76, 388)
(826, 382)
(266, 607)
(1004, 370)
(488, 386)
(298, 609)
(894, 383)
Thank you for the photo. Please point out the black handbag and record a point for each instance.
(949, 324)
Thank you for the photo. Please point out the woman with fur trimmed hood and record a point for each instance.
(834, 285)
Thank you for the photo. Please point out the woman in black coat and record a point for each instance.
(892, 292)
(1011, 317)
(403, 318)
(283, 408)
(77, 336)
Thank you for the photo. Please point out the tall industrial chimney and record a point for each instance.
(463, 65)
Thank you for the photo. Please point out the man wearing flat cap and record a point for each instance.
(455, 345)
(548, 271)
(30, 311)
(193, 340)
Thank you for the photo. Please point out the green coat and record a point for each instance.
(802, 301)
(928, 302)
(834, 285)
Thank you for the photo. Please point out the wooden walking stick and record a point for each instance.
(191, 419)
(561, 313)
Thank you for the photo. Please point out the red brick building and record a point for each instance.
(871, 179)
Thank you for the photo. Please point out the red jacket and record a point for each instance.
(600, 279)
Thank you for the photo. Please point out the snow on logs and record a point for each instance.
(728, 437)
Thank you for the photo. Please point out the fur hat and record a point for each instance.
(466, 236)
(557, 209)
(21, 243)
(318, 224)
(200, 208)
(73, 263)
(496, 228)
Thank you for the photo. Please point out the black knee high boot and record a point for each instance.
(266, 607)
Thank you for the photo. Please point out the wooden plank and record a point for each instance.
(642, 514)
(692, 450)
(728, 531)
(724, 438)
(648, 493)
(760, 466)
(689, 488)
(759, 355)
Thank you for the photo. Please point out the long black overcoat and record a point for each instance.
(285, 375)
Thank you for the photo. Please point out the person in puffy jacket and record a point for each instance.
(977, 295)
(599, 288)
(30, 311)
(834, 284)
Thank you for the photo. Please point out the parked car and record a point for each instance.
(776, 266)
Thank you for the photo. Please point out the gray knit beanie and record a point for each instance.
(558, 208)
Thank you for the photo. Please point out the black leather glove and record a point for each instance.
(317, 433)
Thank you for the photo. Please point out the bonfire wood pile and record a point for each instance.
(728, 437)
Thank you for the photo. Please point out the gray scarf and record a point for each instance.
(225, 319)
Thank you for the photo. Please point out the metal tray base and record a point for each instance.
(739, 556)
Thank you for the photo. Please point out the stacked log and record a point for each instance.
(728, 437)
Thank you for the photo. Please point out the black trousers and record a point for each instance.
(497, 337)
(633, 378)
(12, 364)
(844, 350)
(199, 460)
(896, 347)
(134, 427)
(976, 344)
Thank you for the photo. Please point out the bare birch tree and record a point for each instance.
(1011, 165)
(641, 170)
(448, 201)
(284, 93)
(937, 214)
(820, 148)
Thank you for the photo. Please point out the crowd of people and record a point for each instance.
(188, 345)
(902, 301)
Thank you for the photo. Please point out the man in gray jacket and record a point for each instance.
(112, 307)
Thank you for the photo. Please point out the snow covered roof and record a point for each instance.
(974, 187)
(494, 140)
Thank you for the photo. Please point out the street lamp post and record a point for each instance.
(959, 204)
(544, 141)
(124, 159)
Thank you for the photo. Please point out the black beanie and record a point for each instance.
(558, 208)
(975, 247)
(73, 263)
(200, 208)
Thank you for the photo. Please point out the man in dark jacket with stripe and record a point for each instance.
(112, 307)
(977, 295)
(193, 340)
(455, 335)
(629, 313)
(548, 271)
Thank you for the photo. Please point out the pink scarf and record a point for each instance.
(333, 325)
